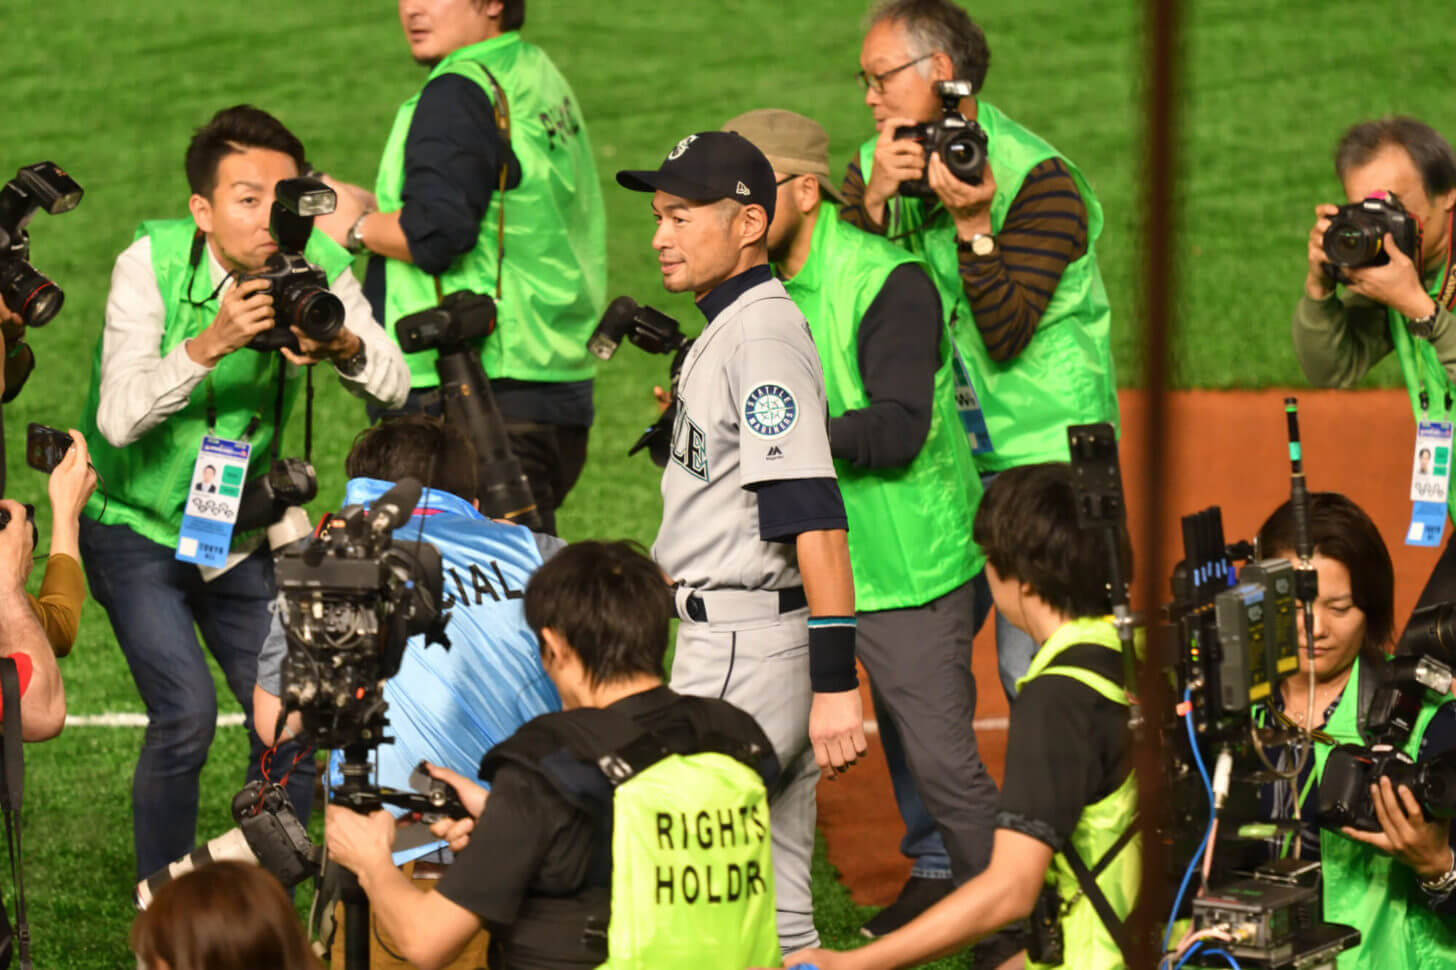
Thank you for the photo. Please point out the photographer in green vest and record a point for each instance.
(905, 472)
(176, 387)
(487, 184)
(1013, 255)
(1392, 295)
(628, 830)
(1069, 799)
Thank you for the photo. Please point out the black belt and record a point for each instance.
(790, 599)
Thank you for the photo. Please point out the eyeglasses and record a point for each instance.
(876, 82)
(786, 178)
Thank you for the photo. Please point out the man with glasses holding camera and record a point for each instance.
(1007, 226)
(487, 184)
(1390, 251)
(175, 386)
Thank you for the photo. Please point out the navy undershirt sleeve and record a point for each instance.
(792, 506)
(899, 352)
(452, 160)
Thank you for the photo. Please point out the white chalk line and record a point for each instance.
(135, 720)
(129, 719)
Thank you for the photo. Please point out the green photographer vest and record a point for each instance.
(909, 527)
(147, 480)
(1065, 374)
(682, 840)
(1369, 890)
(1421, 368)
(554, 276)
(1101, 827)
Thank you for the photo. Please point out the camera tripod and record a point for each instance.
(358, 794)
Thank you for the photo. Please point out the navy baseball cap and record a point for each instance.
(709, 166)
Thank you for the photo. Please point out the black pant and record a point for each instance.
(551, 455)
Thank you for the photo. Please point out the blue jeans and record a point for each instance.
(922, 842)
(153, 601)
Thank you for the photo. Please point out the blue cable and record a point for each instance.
(1208, 786)
(1226, 955)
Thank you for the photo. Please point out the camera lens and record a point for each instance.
(1351, 244)
(965, 156)
(28, 293)
(315, 311)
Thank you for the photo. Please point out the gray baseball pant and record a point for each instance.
(761, 665)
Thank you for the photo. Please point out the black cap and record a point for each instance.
(709, 166)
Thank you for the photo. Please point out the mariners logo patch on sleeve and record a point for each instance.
(769, 410)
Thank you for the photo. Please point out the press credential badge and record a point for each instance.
(1430, 482)
(212, 501)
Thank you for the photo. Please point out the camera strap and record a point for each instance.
(1087, 883)
(501, 108)
(11, 786)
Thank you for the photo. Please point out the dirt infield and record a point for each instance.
(1226, 448)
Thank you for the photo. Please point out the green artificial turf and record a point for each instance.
(113, 91)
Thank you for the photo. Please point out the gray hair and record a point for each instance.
(938, 26)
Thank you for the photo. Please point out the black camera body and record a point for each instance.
(1356, 235)
(25, 290)
(461, 318)
(289, 482)
(29, 517)
(961, 143)
(1350, 769)
(300, 290)
(350, 599)
(650, 329)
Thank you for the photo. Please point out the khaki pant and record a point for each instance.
(382, 952)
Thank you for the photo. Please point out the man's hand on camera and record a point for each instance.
(1317, 283)
(354, 201)
(1405, 834)
(969, 205)
(15, 549)
(836, 729)
(10, 317)
(244, 312)
(457, 831)
(359, 842)
(1397, 284)
(896, 159)
(71, 484)
(345, 344)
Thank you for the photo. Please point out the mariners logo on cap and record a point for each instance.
(769, 410)
(682, 146)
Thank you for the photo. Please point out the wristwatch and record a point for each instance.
(1425, 327)
(353, 365)
(1442, 884)
(982, 244)
(354, 240)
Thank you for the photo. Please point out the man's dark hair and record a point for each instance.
(1342, 531)
(415, 446)
(939, 25)
(231, 130)
(610, 602)
(1027, 526)
(513, 17)
(1431, 153)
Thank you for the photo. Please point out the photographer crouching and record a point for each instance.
(209, 324)
(1380, 279)
(594, 845)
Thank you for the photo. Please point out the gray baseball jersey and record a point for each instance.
(751, 409)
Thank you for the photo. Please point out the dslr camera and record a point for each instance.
(652, 330)
(24, 289)
(300, 290)
(461, 317)
(961, 143)
(1356, 235)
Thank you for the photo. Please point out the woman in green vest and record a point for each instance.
(1394, 886)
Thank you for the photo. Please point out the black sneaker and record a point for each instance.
(916, 896)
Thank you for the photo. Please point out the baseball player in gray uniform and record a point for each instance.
(753, 527)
